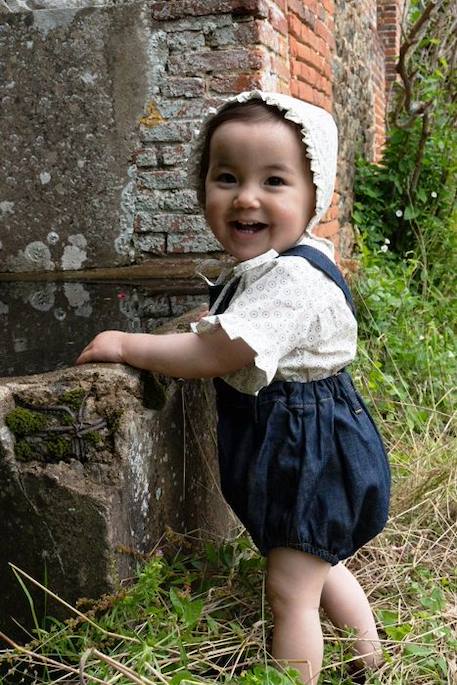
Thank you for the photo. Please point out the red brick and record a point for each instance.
(278, 21)
(303, 91)
(294, 26)
(326, 229)
(324, 32)
(329, 6)
(280, 67)
(215, 60)
(235, 83)
(322, 101)
(303, 12)
(332, 213)
(308, 37)
(272, 39)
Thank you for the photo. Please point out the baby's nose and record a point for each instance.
(246, 197)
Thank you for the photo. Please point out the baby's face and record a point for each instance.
(259, 190)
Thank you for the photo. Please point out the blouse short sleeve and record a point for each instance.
(270, 312)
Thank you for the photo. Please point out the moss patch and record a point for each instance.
(23, 450)
(58, 448)
(73, 398)
(46, 433)
(22, 422)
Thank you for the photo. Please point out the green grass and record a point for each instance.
(196, 612)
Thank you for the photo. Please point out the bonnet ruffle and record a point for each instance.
(319, 135)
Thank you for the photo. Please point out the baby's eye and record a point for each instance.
(275, 181)
(225, 177)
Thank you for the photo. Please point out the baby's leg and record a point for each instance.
(294, 585)
(346, 605)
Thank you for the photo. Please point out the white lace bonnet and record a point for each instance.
(319, 135)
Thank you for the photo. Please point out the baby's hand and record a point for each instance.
(105, 347)
(203, 313)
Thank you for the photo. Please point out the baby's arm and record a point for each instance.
(182, 355)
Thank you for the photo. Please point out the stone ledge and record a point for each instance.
(161, 268)
(69, 515)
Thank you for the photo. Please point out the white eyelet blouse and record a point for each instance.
(292, 315)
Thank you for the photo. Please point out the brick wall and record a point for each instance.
(328, 52)
(358, 100)
(203, 51)
(390, 15)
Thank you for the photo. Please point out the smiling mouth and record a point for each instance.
(248, 226)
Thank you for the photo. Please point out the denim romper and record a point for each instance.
(302, 464)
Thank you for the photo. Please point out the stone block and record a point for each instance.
(192, 241)
(185, 40)
(74, 84)
(75, 510)
(162, 180)
(167, 132)
(183, 87)
(165, 10)
(169, 223)
(154, 243)
(167, 201)
(145, 158)
(174, 154)
(180, 304)
(216, 61)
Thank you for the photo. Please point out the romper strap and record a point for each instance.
(215, 291)
(320, 261)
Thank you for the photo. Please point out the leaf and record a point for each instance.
(176, 602)
(399, 632)
(192, 612)
(417, 650)
(410, 213)
(388, 618)
(179, 677)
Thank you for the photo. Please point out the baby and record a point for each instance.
(301, 461)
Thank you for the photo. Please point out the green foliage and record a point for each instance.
(424, 638)
(266, 675)
(406, 218)
(191, 618)
(422, 223)
(407, 346)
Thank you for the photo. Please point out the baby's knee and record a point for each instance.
(285, 596)
(294, 580)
